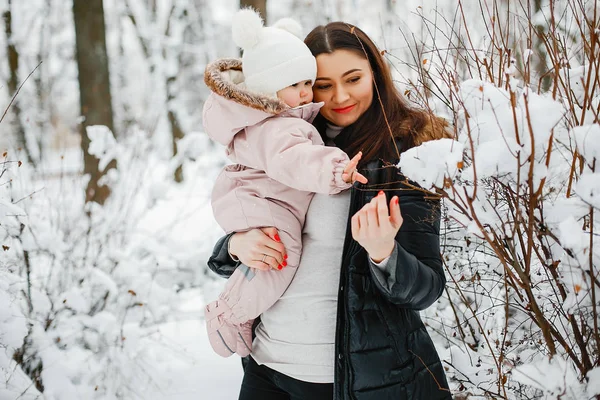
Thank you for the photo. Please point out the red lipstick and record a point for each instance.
(343, 110)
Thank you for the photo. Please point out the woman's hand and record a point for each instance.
(374, 229)
(350, 174)
(259, 248)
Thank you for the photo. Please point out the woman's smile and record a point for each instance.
(343, 110)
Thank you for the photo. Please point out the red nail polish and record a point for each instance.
(380, 193)
(277, 238)
(396, 201)
(285, 257)
(279, 267)
(284, 263)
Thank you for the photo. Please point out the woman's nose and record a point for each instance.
(340, 95)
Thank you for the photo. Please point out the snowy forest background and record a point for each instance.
(104, 240)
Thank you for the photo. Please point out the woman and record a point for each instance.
(348, 326)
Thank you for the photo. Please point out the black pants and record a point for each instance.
(263, 383)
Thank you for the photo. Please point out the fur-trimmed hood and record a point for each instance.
(231, 107)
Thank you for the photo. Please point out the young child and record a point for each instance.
(263, 116)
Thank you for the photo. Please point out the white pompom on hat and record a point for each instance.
(273, 57)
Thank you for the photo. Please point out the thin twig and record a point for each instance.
(18, 90)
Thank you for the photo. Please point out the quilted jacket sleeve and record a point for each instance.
(413, 276)
(416, 264)
(286, 154)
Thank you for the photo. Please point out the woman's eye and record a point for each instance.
(322, 87)
(354, 80)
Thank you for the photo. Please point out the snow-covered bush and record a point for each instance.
(15, 290)
(521, 187)
(90, 287)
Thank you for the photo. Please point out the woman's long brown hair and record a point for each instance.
(371, 132)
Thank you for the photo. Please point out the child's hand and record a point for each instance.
(350, 174)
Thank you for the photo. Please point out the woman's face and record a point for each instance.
(345, 83)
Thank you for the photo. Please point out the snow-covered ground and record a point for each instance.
(192, 370)
(185, 369)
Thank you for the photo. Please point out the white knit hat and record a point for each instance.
(274, 57)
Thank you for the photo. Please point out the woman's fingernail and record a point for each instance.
(284, 263)
(285, 257)
(279, 266)
(397, 201)
(277, 238)
(380, 193)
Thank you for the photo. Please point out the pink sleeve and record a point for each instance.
(291, 158)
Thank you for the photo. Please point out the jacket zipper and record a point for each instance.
(341, 377)
(350, 247)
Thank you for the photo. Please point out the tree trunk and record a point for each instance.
(177, 132)
(540, 62)
(94, 87)
(42, 82)
(13, 82)
(170, 84)
(258, 5)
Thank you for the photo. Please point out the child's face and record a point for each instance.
(297, 94)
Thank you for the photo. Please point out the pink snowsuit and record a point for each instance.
(280, 162)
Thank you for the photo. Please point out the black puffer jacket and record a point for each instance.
(382, 347)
